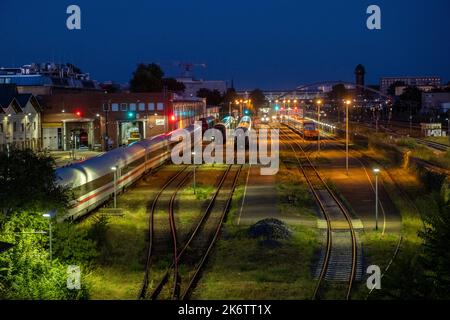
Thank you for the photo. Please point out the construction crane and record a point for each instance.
(188, 67)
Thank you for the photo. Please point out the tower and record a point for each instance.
(360, 73)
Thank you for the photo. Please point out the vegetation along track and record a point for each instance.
(151, 227)
(339, 261)
(189, 261)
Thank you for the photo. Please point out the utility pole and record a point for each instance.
(376, 171)
(319, 102)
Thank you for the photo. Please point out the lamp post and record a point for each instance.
(193, 156)
(319, 102)
(347, 103)
(114, 169)
(376, 171)
(49, 215)
(213, 139)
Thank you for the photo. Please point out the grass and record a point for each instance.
(379, 248)
(443, 140)
(241, 268)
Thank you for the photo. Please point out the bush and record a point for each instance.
(72, 245)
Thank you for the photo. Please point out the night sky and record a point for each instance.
(270, 44)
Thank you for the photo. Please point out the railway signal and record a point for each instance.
(131, 115)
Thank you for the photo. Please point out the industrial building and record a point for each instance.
(102, 121)
(386, 82)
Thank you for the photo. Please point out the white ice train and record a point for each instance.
(92, 181)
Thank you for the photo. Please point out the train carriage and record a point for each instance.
(92, 181)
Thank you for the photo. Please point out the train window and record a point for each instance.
(129, 167)
(93, 185)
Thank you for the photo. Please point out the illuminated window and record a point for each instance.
(141, 106)
(132, 106)
(115, 107)
(160, 106)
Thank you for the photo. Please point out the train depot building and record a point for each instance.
(102, 121)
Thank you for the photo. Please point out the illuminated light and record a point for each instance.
(78, 113)
(172, 118)
(376, 170)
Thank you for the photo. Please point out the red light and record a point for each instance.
(172, 118)
(78, 113)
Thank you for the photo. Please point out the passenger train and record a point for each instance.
(224, 126)
(92, 181)
(307, 128)
(243, 129)
(207, 123)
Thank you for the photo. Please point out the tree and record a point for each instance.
(338, 92)
(213, 97)
(147, 78)
(28, 183)
(230, 96)
(74, 68)
(411, 99)
(173, 85)
(392, 87)
(436, 256)
(258, 98)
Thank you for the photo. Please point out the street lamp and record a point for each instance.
(193, 156)
(319, 102)
(347, 103)
(49, 215)
(114, 169)
(376, 171)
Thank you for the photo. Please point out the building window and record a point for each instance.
(123, 107)
(15, 126)
(1, 127)
(23, 127)
(160, 106)
(132, 106)
(105, 107)
(115, 107)
(151, 106)
(141, 106)
(34, 125)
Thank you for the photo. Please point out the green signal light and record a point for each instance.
(131, 114)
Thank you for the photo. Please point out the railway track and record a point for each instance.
(175, 179)
(188, 262)
(339, 261)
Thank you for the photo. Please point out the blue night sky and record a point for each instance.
(271, 44)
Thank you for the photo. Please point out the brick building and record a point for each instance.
(97, 120)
